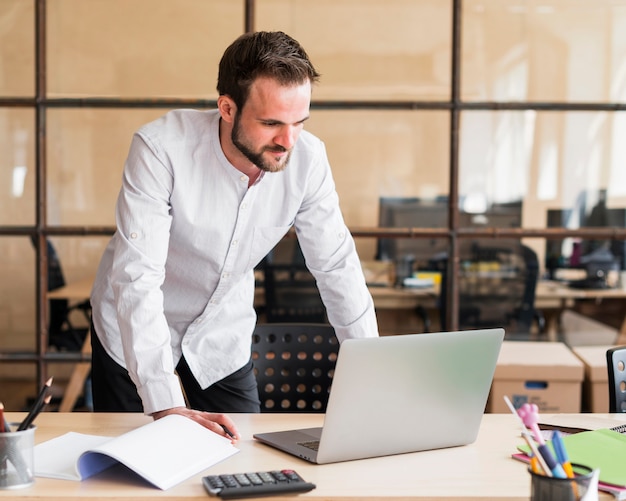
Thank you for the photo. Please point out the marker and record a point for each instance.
(561, 453)
(556, 469)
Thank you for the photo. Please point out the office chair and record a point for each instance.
(291, 294)
(496, 289)
(616, 367)
(294, 365)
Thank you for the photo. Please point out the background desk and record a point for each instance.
(550, 297)
(483, 470)
(554, 297)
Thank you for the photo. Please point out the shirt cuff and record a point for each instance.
(161, 394)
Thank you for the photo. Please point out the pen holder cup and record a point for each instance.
(584, 486)
(17, 458)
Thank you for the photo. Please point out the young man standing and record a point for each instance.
(205, 196)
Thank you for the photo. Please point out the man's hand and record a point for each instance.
(219, 423)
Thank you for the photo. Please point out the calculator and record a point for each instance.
(256, 484)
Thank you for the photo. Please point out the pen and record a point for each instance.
(561, 453)
(529, 415)
(556, 469)
(537, 463)
(228, 432)
(536, 459)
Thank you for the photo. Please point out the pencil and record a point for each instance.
(32, 416)
(37, 406)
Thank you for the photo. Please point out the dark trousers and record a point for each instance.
(114, 391)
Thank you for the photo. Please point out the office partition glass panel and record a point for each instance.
(17, 48)
(18, 383)
(88, 148)
(79, 256)
(544, 161)
(142, 48)
(384, 153)
(554, 50)
(17, 166)
(17, 294)
(392, 50)
(497, 283)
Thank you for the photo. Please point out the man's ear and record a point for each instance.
(227, 108)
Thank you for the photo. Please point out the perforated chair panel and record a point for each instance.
(294, 365)
(616, 366)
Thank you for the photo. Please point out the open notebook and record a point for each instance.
(164, 452)
(397, 394)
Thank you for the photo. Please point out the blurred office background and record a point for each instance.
(508, 115)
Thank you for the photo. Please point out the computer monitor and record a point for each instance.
(611, 218)
(557, 255)
(557, 251)
(411, 212)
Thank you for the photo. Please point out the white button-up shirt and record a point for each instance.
(178, 275)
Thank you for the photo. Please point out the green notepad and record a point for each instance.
(604, 449)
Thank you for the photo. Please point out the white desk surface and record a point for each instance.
(483, 470)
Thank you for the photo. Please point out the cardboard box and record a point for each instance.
(595, 384)
(542, 373)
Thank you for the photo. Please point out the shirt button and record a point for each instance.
(243, 205)
(234, 242)
(243, 178)
(226, 275)
(133, 235)
(341, 234)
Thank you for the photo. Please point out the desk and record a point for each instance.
(483, 470)
(74, 291)
(553, 297)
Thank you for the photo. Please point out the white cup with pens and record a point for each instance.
(17, 451)
(17, 445)
(583, 486)
(553, 476)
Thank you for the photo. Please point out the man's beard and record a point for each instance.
(257, 157)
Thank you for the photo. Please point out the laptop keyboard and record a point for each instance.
(314, 445)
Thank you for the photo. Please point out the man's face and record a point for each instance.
(266, 129)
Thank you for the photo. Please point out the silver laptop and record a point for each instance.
(397, 394)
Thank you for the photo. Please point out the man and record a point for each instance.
(205, 196)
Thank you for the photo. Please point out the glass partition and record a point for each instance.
(564, 51)
(17, 48)
(17, 166)
(392, 50)
(143, 48)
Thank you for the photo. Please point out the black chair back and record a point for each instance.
(616, 367)
(294, 365)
